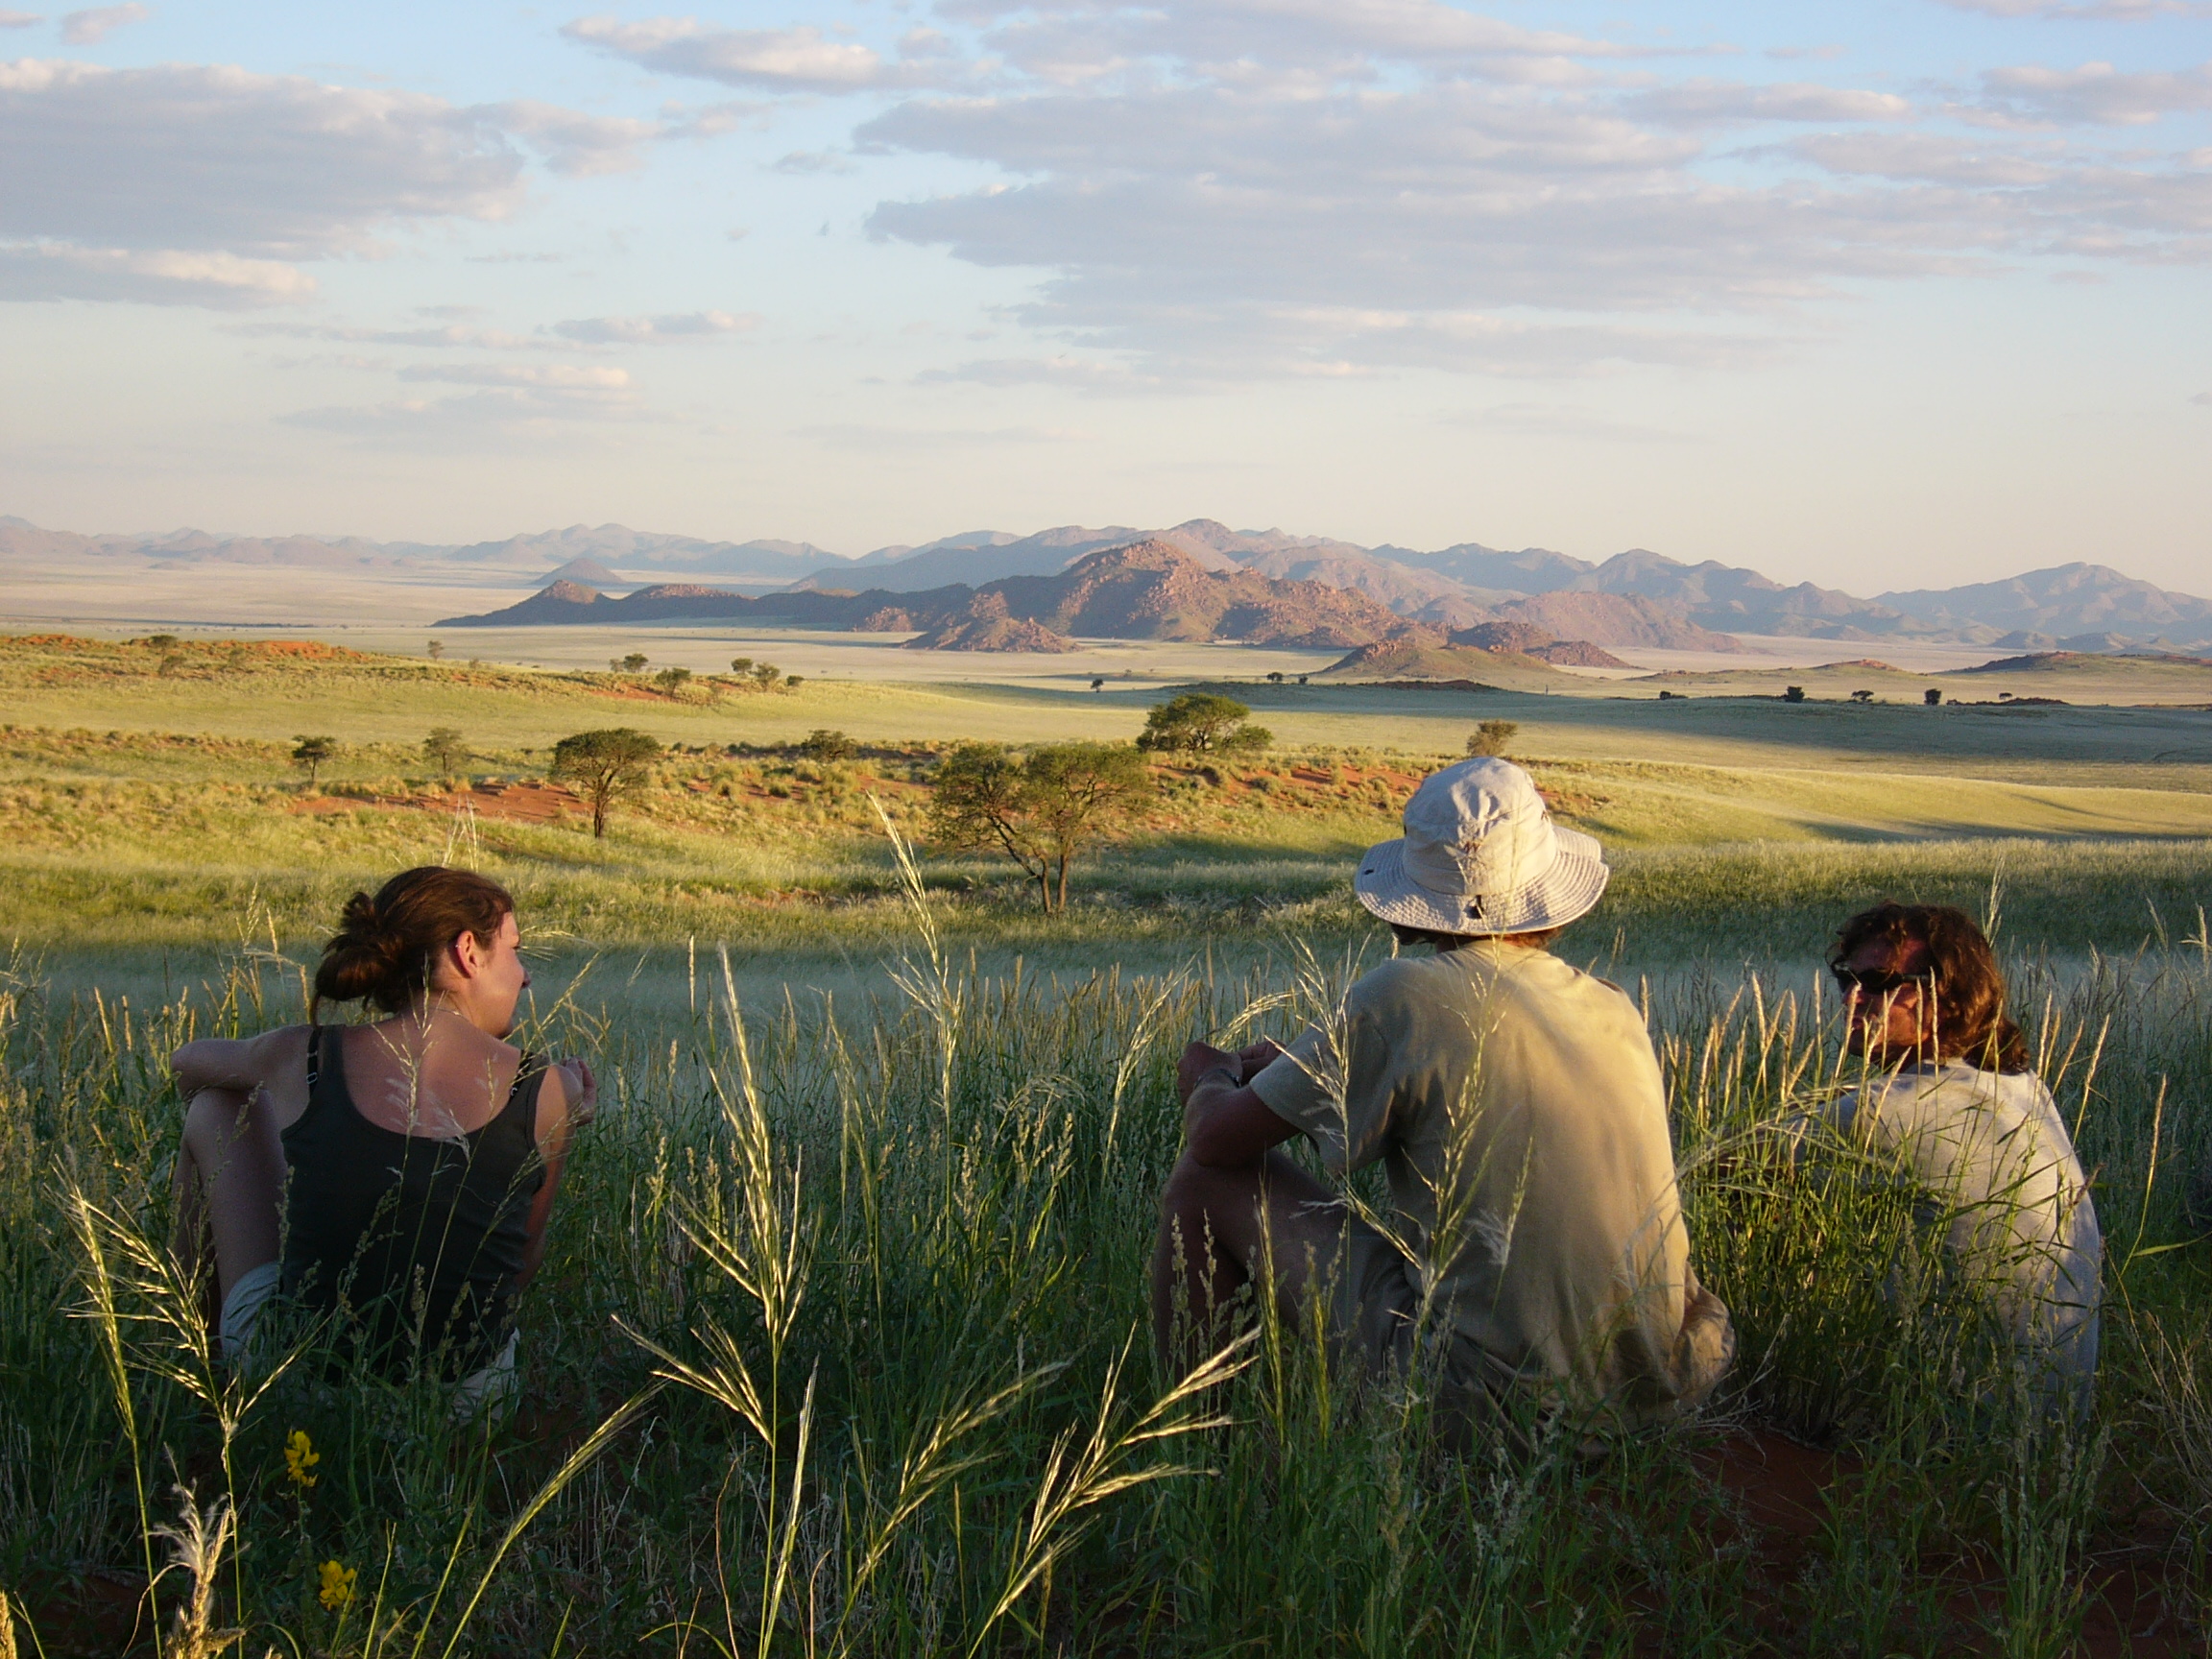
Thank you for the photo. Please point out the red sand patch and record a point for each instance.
(1784, 1489)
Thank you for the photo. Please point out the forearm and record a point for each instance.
(214, 1063)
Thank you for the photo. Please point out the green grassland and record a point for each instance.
(918, 1200)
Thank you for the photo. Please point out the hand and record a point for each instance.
(1199, 1059)
(1255, 1058)
(583, 1092)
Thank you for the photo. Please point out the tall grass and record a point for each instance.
(837, 1351)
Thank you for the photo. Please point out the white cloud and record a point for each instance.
(2085, 10)
(1080, 374)
(186, 155)
(2094, 94)
(653, 330)
(496, 418)
(573, 145)
(451, 335)
(116, 175)
(159, 277)
(19, 20)
(1701, 102)
(88, 27)
(1933, 158)
(804, 161)
(559, 376)
(1228, 189)
(798, 60)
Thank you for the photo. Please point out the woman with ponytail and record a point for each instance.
(395, 1176)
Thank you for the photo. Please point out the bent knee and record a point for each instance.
(1197, 1190)
(214, 1120)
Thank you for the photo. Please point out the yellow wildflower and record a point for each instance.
(301, 1456)
(337, 1586)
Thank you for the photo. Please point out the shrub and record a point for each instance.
(824, 744)
(1793, 695)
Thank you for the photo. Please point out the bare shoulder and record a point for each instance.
(563, 1102)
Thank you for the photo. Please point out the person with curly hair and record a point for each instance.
(1950, 1097)
(395, 1177)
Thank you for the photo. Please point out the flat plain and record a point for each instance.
(912, 1207)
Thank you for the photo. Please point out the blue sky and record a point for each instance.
(1891, 293)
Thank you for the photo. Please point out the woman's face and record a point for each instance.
(506, 979)
(1887, 1024)
(485, 981)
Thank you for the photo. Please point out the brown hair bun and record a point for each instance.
(386, 947)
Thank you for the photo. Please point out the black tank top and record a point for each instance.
(414, 1243)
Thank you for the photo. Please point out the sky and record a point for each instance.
(1884, 294)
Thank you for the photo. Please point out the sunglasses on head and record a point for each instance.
(1870, 982)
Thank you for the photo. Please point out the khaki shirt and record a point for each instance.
(1518, 1109)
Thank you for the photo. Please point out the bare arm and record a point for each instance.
(242, 1065)
(567, 1100)
(1225, 1125)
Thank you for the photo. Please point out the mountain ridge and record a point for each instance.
(2079, 605)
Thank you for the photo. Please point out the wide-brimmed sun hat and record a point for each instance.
(1481, 854)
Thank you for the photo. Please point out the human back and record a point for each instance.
(1518, 1109)
(1949, 1099)
(420, 1152)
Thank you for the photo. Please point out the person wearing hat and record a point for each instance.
(1535, 1251)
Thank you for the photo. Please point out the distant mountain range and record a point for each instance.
(1635, 599)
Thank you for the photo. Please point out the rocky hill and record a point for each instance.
(1424, 659)
(1148, 589)
(1528, 639)
(988, 632)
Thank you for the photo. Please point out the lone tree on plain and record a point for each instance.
(310, 752)
(606, 766)
(434, 650)
(1491, 737)
(672, 680)
(1933, 696)
(1042, 811)
(634, 662)
(445, 750)
(1793, 693)
(1201, 722)
(741, 666)
(765, 675)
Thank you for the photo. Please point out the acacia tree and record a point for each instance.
(1491, 737)
(1200, 721)
(446, 749)
(310, 753)
(1042, 810)
(606, 765)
